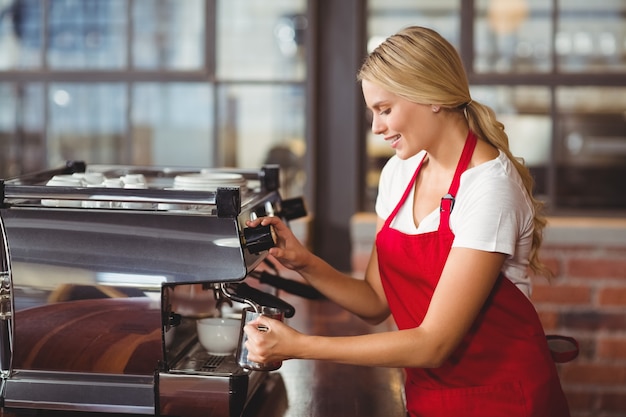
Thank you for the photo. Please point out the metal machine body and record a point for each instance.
(98, 302)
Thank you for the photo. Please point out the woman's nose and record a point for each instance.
(377, 126)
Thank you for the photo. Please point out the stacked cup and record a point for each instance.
(208, 181)
(63, 181)
(204, 181)
(135, 181)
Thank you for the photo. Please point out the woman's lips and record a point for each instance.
(393, 140)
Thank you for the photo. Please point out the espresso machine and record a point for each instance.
(104, 279)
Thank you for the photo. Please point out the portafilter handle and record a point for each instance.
(257, 299)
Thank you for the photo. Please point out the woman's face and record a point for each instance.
(408, 127)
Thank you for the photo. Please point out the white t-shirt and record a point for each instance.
(492, 211)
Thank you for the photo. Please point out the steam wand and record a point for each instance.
(223, 291)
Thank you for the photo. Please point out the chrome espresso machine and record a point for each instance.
(105, 271)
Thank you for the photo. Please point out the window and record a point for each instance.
(179, 83)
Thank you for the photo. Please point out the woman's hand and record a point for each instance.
(288, 250)
(275, 343)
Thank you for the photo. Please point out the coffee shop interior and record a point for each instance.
(246, 83)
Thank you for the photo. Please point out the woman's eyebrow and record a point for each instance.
(379, 104)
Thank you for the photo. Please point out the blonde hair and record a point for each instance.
(419, 65)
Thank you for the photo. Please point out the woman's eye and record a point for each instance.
(386, 111)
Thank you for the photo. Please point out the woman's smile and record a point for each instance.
(394, 140)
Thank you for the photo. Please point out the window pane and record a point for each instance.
(168, 34)
(7, 101)
(591, 147)
(264, 124)
(30, 134)
(513, 36)
(172, 124)
(261, 40)
(22, 146)
(20, 34)
(87, 123)
(525, 113)
(86, 34)
(591, 35)
(8, 147)
(386, 18)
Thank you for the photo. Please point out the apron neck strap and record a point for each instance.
(407, 191)
(447, 201)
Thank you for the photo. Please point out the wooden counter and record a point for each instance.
(310, 388)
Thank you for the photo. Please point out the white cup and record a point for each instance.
(132, 205)
(89, 178)
(63, 181)
(130, 179)
(219, 336)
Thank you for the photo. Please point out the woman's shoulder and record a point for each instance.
(495, 181)
(499, 169)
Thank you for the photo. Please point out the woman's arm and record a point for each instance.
(362, 297)
(465, 284)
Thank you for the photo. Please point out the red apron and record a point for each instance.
(502, 367)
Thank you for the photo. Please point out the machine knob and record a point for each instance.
(260, 238)
(292, 208)
(174, 319)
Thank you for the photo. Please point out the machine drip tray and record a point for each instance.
(198, 361)
(212, 364)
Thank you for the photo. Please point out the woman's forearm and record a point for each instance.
(398, 349)
(353, 294)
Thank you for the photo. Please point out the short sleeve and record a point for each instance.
(492, 214)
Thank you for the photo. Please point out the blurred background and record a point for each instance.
(240, 83)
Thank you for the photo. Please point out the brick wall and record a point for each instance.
(586, 299)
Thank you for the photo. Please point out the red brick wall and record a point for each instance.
(586, 299)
